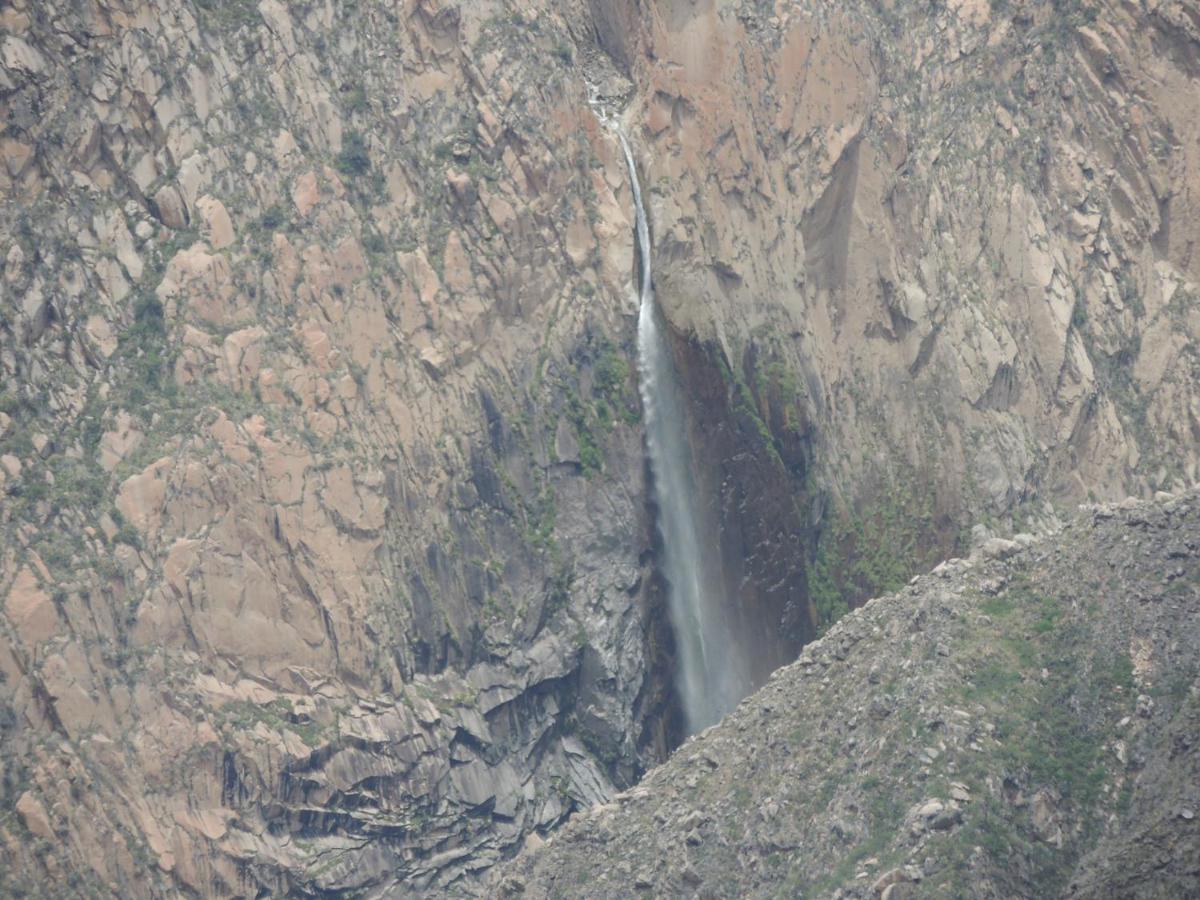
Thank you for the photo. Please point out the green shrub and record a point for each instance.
(127, 534)
(354, 159)
(272, 218)
(356, 99)
(148, 315)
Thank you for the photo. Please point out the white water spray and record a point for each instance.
(711, 676)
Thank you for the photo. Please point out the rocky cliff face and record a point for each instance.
(1018, 724)
(960, 241)
(326, 559)
(324, 516)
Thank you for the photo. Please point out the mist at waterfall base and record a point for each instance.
(711, 675)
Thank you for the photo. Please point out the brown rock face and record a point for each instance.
(962, 229)
(297, 593)
(325, 555)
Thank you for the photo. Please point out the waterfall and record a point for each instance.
(711, 676)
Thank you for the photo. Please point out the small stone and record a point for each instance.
(1145, 706)
(33, 814)
(512, 887)
(435, 361)
(170, 207)
(889, 878)
(1187, 814)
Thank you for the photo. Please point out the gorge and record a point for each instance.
(402, 471)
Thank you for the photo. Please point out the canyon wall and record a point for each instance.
(324, 517)
(964, 236)
(326, 558)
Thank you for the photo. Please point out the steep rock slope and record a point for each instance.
(1019, 724)
(323, 525)
(952, 250)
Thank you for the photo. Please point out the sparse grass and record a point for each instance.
(869, 553)
(243, 716)
(611, 400)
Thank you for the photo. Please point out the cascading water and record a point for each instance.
(711, 676)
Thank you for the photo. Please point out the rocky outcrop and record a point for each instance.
(1020, 723)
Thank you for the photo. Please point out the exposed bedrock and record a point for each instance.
(327, 558)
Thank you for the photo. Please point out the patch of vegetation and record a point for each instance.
(272, 219)
(589, 452)
(564, 53)
(993, 680)
(745, 409)
(278, 715)
(869, 553)
(356, 99)
(146, 354)
(354, 158)
(1000, 606)
(885, 811)
(229, 15)
(611, 400)
(1054, 704)
(541, 513)
(127, 534)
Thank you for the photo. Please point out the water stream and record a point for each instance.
(710, 675)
